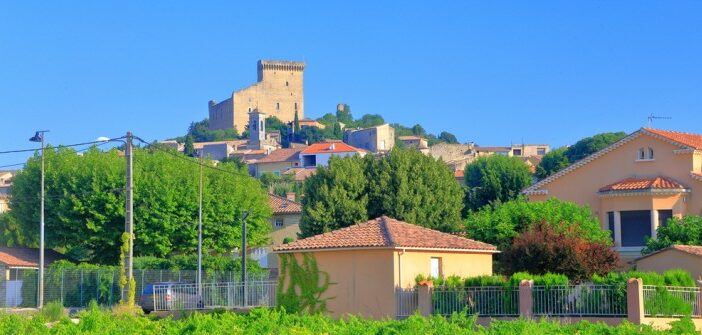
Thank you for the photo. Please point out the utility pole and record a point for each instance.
(39, 137)
(199, 236)
(243, 255)
(129, 212)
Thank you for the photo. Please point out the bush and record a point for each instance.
(687, 231)
(53, 311)
(544, 249)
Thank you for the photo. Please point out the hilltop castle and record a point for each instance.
(278, 92)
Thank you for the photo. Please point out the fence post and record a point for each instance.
(635, 301)
(424, 297)
(62, 272)
(526, 298)
(698, 310)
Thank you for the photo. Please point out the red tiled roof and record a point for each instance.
(458, 173)
(300, 174)
(282, 205)
(693, 141)
(634, 184)
(27, 257)
(281, 155)
(329, 147)
(385, 232)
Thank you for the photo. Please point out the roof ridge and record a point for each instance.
(387, 232)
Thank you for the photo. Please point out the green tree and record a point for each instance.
(311, 135)
(200, 131)
(337, 133)
(189, 147)
(687, 231)
(11, 234)
(85, 203)
(499, 225)
(418, 130)
(335, 197)
(552, 162)
(448, 137)
(369, 120)
(495, 179)
(352, 190)
(589, 145)
(413, 187)
(328, 119)
(344, 115)
(296, 123)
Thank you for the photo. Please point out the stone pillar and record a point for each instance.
(654, 223)
(635, 301)
(617, 229)
(424, 297)
(526, 299)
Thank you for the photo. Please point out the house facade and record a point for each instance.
(277, 162)
(318, 154)
(368, 261)
(685, 257)
(375, 139)
(5, 185)
(634, 185)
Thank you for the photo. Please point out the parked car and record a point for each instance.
(170, 296)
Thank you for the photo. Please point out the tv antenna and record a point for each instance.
(655, 117)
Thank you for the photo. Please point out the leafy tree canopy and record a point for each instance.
(687, 230)
(200, 132)
(560, 158)
(499, 225)
(448, 137)
(85, 203)
(494, 179)
(352, 190)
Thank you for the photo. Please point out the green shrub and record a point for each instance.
(53, 311)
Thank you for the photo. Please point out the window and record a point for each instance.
(642, 154)
(650, 153)
(249, 109)
(610, 222)
(436, 267)
(279, 222)
(663, 216)
(277, 106)
(540, 151)
(517, 152)
(286, 84)
(296, 106)
(635, 226)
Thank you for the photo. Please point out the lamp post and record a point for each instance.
(199, 235)
(129, 206)
(39, 137)
(243, 254)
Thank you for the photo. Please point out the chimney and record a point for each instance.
(290, 196)
(332, 146)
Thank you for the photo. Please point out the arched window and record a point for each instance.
(286, 84)
(642, 154)
(277, 106)
(650, 153)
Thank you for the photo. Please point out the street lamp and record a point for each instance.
(129, 206)
(199, 235)
(39, 138)
(244, 215)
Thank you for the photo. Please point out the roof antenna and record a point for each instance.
(654, 117)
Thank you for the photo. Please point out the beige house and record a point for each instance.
(634, 185)
(685, 257)
(368, 261)
(5, 185)
(277, 162)
(415, 142)
(374, 139)
(277, 92)
(285, 223)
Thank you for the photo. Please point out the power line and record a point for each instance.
(187, 159)
(77, 151)
(58, 146)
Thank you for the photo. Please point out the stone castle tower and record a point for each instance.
(278, 92)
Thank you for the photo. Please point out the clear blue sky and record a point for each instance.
(490, 72)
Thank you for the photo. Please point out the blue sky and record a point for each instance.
(490, 72)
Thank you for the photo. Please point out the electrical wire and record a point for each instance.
(58, 146)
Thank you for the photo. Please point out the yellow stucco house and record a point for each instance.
(685, 257)
(368, 261)
(634, 185)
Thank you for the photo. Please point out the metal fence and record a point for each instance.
(406, 302)
(671, 301)
(482, 300)
(214, 295)
(579, 300)
(77, 287)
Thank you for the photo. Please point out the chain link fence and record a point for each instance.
(77, 287)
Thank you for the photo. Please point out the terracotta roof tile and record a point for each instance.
(282, 205)
(300, 174)
(693, 141)
(329, 147)
(634, 184)
(385, 232)
(459, 173)
(281, 155)
(690, 249)
(27, 257)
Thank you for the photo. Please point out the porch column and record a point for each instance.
(654, 223)
(617, 229)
